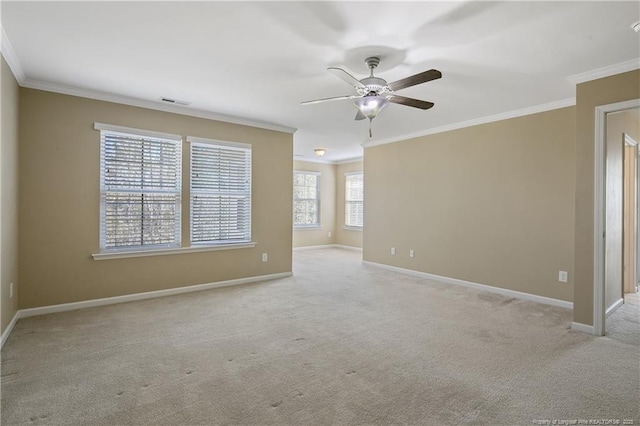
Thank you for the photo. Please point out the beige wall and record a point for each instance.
(59, 204)
(589, 95)
(491, 204)
(346, 237)
(9, 198)
(314, 236)
(618, 124)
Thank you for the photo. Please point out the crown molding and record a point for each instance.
(13, 62)
(18, 72)
(350, 160)
(154, 105)
(334, 162)
(477, 121)
(313, 160)
(607, 71)
(10, 56)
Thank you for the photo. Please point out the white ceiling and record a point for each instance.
(259, 60)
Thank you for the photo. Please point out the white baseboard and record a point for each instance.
(24, 313)
(582, 327)
(345, 247)
(304, 248)
(326, 246)
(614, 306)
(503, 291)
(9, 329)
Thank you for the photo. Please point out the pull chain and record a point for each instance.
(370, 134)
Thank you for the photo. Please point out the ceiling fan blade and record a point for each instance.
(336, 98)
(360, 115)
(416, 103)
(423, 77)
(343, 75)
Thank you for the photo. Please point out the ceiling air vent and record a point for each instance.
(174, 101)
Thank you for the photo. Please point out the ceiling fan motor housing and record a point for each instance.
(373, 84)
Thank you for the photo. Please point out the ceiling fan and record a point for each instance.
(374, 93)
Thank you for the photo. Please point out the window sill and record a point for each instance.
(305, 228)
(353, 228)
(163, 252)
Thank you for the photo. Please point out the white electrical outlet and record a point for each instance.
(412, 253)
(563, 276)
(10, 290)
(393, 251)
(329, 235)
(264, 257)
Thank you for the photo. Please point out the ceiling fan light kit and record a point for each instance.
(374, 93)
(371, 105)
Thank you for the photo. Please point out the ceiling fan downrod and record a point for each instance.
(372, 62)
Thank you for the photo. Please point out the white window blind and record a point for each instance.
(140, 182)
(306, 199)
(220, 193)
(354, 200)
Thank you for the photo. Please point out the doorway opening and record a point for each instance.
(616, 208)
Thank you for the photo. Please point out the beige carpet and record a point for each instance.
(338, 343)
(624, 323)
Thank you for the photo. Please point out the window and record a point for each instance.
(220, 192)
(354, 200)
(141, 193)
(140, 189)
(306, 199)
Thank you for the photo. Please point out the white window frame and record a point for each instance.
(104, 190)
(347, 202)
(318, 224)
(195, 141)
(157, 250)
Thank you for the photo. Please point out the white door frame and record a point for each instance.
(599, 210)
(630, 142)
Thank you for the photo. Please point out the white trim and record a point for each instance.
(148, 104)
(206, 141)
(9, 329)
(614, 307)
(607, 71)
(353, 228)
(163, 252)
(334, 162)
(318, 247)
(350, 160)
(599, 226)
(313, 160)
(477, 121)
(327, 246)
(503, 291)
(24, 313)
(584, 328)
(599, 207)
(345, 247)
(361, 172)
(629, 141)
(10, 56)
(137, 132)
